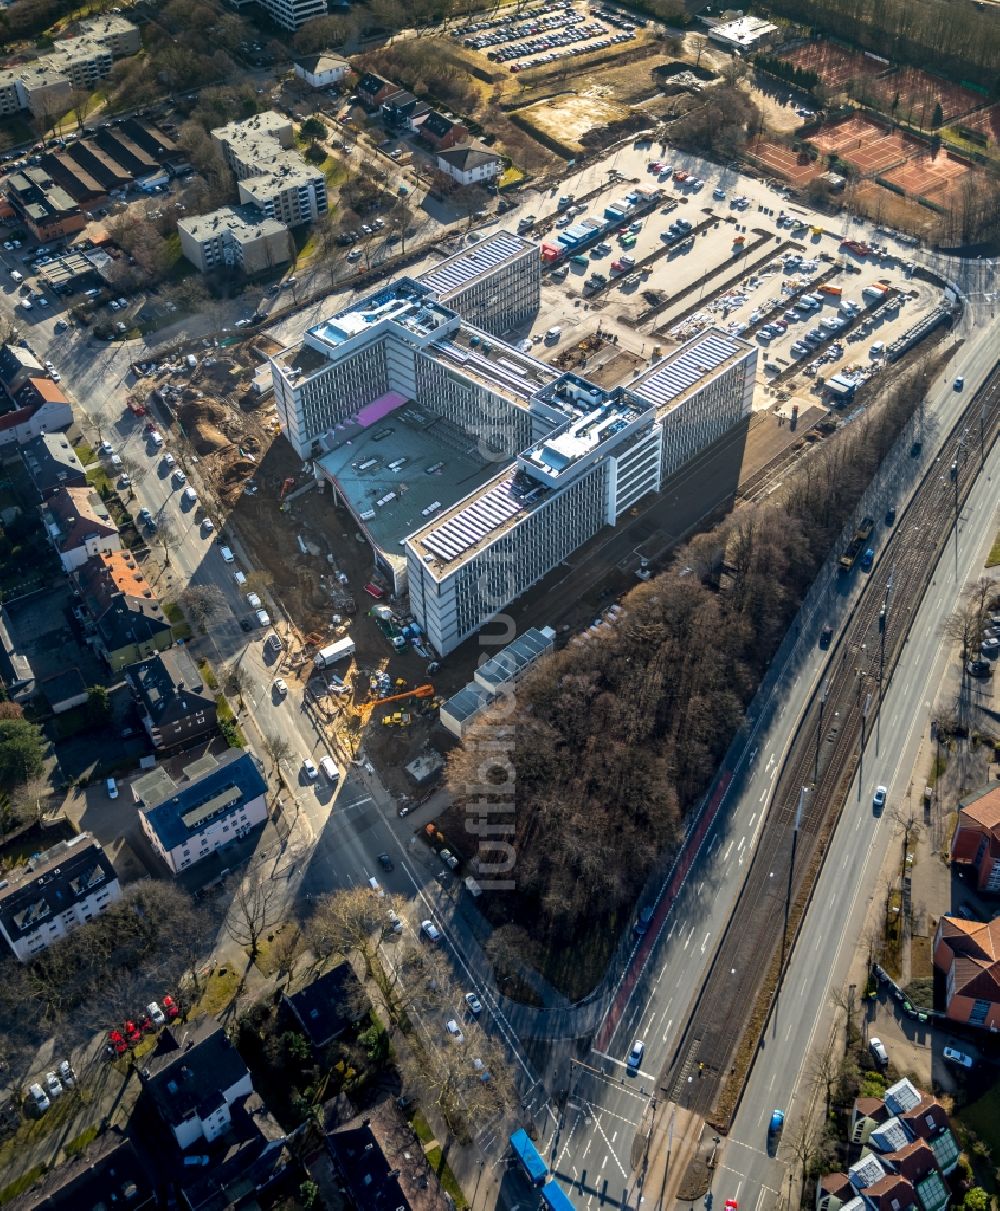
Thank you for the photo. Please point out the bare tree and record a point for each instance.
(255, 906)
(168, 538)
(240, 680)
(203, 604)
(133, 472)
(278, 749)
(352, 920)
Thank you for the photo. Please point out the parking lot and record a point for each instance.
(548, 33)
(767, 273)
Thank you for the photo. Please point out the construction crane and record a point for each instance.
(366, 708)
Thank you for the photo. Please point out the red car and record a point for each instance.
(374, 591)
(731, 1204)
(169, 1006)
(131, 1032)
(116, 1043)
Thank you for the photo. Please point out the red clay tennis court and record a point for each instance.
(866, 144)
(834, 64)
(916, 94)
(924, 174)
(785, 163)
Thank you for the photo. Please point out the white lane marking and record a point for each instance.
(667, 1031)
(705, 943)
(687, 942)
(729, 847)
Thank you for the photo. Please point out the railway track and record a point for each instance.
(735, 998)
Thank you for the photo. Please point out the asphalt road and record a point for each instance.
(847, 885)
(595, 1147)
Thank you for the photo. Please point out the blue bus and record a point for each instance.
(554, 1198)
(534, 1167)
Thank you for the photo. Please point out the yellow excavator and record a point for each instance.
(366, 708)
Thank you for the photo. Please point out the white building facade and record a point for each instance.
(532, 462)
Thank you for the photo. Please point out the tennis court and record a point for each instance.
(922, 175)
(912, 96)
(786, 163)
(835, 65)
(868, 145)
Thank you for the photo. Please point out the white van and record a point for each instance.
(112, 786)
(329, 767)
(240, 578)
(553, 335)
(227, 555)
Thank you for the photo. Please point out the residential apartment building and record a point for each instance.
(124, 621)
(485, 467)
(495, 284)
(194, 1082)
(235, 237)
(42, 205)
(66, 886)
(52, 463)
(174, 702)
(293, 14)
(271, 175)
(215, 802)
(79, 525)
(976, 843)
(469, 164)
(45, 85)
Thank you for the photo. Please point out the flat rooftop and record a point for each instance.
(581, 436)
(463, 530)
(404, 303)
(500, 367)
(671, 380)
(463, 268)
(410, 461)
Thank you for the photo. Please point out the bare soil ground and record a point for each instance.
(568, 118)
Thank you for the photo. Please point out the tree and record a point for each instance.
(313, 128)
(278, 749)
(976, 1199)
(937, 117)
(21, 752)
(240, 680)
(135, 472)
(350, 920)
(203, 604)
(98, 704)
(168, 538)
(81, 103)
(255, 907)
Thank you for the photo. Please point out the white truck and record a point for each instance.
(334, 652)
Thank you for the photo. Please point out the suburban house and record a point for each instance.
(218, 800)
(15, 666)
(108, 1173)
(968, 955)
(79, 525)
(321, 71)
(468, 164)
(17, 365)
(397, 108)
(908, 1149)
(379, 1165)
(324, 1009)
(193, 1082)
(41, 408)
(441, 132)
(976, 843)
(372, 90)
(199, 1088)
(66, 886)
(124, 620)
(52, 463)
(170, 692)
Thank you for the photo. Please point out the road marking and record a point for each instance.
(705, 943)
(763, 794)
(752, 818)
(729, 847)
(715, 842)
(689, 937)
(667, 1031)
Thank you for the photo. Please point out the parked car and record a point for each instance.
(38, 1098)
(430, 931)
(386, 862)
(879, 1053)
(954, 1056)
(156, 1013)
(454, 1030)
(66, 1074)
(474, 1004)
(53, 1085)
(309, 769)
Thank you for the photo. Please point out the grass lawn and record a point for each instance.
(983, 1117)
(510, 176)
(83, 1140)
(20, 1184)
(218, 991)
(86, 454)
(98, 477)
(449, 1182)
(994, 556)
